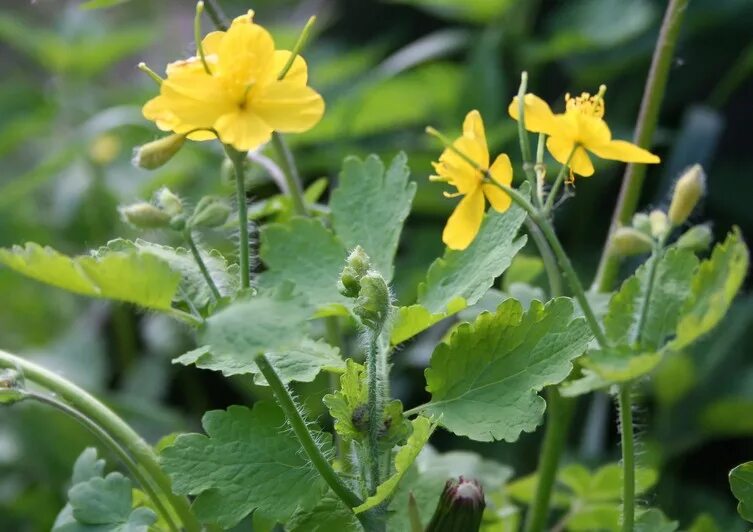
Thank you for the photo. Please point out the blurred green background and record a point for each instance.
(70, 98)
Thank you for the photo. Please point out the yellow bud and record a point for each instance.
(659, 223)
(688, 191)
(154, 154)
(144, 216)
(628, 241)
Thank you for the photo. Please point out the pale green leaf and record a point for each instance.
(604, 517)
(329, 515)
(413, 319)
(87, 466)
(247, 461)
(653, 520)
(370, 205)
(484, 382)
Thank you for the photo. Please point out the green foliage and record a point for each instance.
(484, 380)
(246, 462)
(327, 516)
(741, 484)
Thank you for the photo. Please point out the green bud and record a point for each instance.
(697, 238)
(642, 223)
(688, 191)
(659, 223)
(169, 202)
(144, 216)
(356, 266)
(178, 223)
(12, 387)
(209, 212)
(628, 241)
(460, 507)
(154, 154)
(373, 302)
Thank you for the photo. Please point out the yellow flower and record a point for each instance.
(580, 127)
(237, 93)
(464, 223)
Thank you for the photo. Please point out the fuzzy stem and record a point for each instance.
(648, 118)
(111, 423)
(237, 158)
(188, 236)
(628, 458)
(375, 410)
(293, 180)
(289, 408)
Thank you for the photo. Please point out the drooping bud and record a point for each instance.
(12, 387)
(460, 507)
(144, 216)
(169, 202)
(356, 266)
(697, 238)
(154, 154)
(373, 303)
(210, 212)
(659, 223)
(642, 223)
(628, 241)
(688, 191)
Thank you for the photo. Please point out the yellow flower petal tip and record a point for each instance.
(464, 165)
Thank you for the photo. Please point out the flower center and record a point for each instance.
(587, 104)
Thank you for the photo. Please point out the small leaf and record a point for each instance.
(328, 516)
(422, 429)
(484, 381)
(413, 319)
(87, 466)
(247, 461)
(653, 520)
(370, 205)
(741, 484)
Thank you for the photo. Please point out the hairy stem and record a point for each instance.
(628, 457)
(111, 423)
(648, 118)
(375, 410)
(238, 158)
(188, 236)
(293, 180)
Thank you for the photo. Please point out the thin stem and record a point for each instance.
(113, 446)
(525, 147)
(648, 117)
(301, 431)
(185, 317)
(558, 182)
(628, 458)
(547, 256)
(237, 158)
(299, 44)
(559, 414)
(110, 422)
(293, 180)
(375, 410)
(540, 170)
(197, 36)
(415, 410)
(188, 236)
(216, 14)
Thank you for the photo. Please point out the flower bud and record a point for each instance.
(642, 223)
(628, 241)
(460, 508)
(688, 191)
(144, 216)
(697, 238)
(104, 149)
(154, 154)
(659, 223)
(12, 387)
(373, 302)
(210, 212)
(356, 266)
(169, 202)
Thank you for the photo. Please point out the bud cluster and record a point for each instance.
(368, 288)
(167, 210)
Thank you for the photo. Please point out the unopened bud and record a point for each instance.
(642, 223)
(460, 507)
(356, 266)
(210, 212)
(104, 149)
(144, 216)
(154, 154)
(697, 238)
(688, 191)
(373, 303)
(659, 223)
(169, 202)
(628, 241)
(12, 387)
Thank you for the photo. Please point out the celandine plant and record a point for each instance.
(272, 464)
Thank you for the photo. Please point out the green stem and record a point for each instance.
(540, 170)
(628, 458)
(547, 256)
(114, 447)
(558, 182)
(525, 147)
(188, 236)
(111, 423)
(238, 158)
(559, 414)
(301, 431)
(216, 14)
(375, 410)
(648, 117)
(293, 180)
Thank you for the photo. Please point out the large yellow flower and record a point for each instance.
(581, 127)
(237, 93)
(464, 223)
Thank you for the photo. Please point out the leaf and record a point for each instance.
(101, 4)
(370, 205)
(741, 484)
(653, 520)
(306, 253)
(523, 269)
(484, 381)
(87, 466)
(327, 516)
(132, 277)
(413, 319)
(714, 287)
(247, 461)
(270, 322)
(406, 455)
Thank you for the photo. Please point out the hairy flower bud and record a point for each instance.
(688, 191)
(144, 216)
(169, 202)
(373, 302)
(628, 241)
(154, 154)
(697, 238)
(210, 212)
(659, 223)
(12, 387)
(356, 266)
(642, 223)
(460, 507)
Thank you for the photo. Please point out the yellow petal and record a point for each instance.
(620, 150)
(465, 221)
(245, 55)
(211, 42)
(456, 170)
(243, 130)
(501, 170)
(473, 129)
(538, 116)
(157, 111)
(592, 131)
(560, 148)
(288, 106)
(298, 71)
(497, 197)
